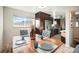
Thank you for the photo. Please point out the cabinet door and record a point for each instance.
(75, 26)
(75, 22)
(75, 32)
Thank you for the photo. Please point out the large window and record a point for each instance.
(21, 21)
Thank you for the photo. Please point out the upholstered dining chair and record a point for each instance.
(46, 33)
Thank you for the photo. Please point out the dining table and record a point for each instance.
(29, 49)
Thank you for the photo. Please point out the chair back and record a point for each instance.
(46, 33)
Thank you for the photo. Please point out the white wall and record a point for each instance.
(68, 29)
(1, 27)
(9, 30)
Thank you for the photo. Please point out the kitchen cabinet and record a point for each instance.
(42, 17)
(75, 29)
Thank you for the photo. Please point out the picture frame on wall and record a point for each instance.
(19, 21)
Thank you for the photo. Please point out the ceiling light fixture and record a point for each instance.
(41, 7)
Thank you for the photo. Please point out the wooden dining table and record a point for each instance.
(28, 48)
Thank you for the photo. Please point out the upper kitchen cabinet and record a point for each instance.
(42, 17)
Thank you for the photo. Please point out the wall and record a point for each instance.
(9, 30)
(1, 27)
(68, 29)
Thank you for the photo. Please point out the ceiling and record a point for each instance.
(59, 10)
